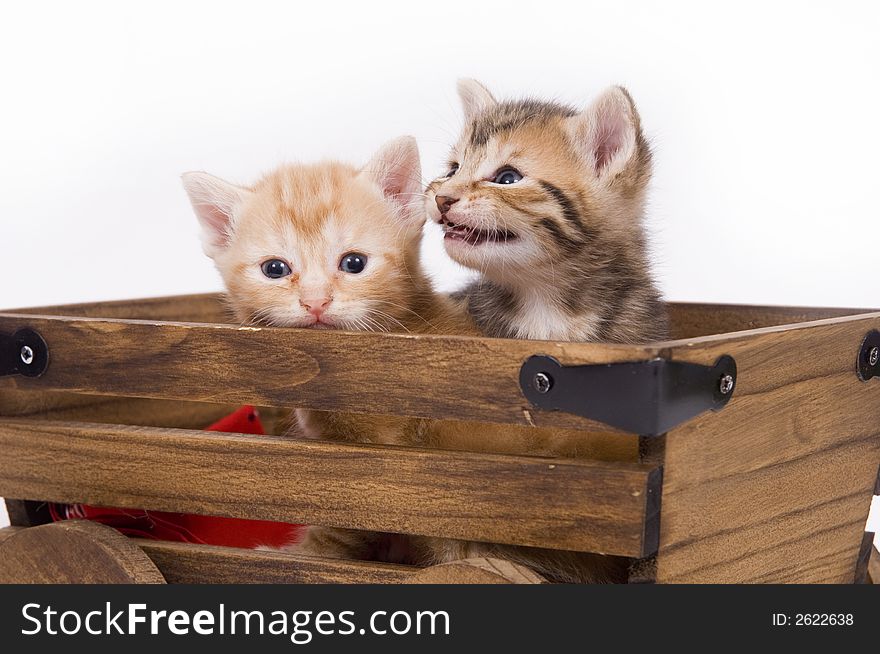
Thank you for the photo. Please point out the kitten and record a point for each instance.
(546, 202)
(327, 246)
(324, 246)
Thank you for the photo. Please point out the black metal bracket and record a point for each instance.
(868, 364)
(23, 353)
(645, 397)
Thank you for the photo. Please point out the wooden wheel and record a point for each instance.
(73, 552)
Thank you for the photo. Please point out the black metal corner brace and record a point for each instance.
(868, 363)
(646, 397)
(23, 353)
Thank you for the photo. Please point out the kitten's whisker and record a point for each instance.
(389, 317)
(402, 307)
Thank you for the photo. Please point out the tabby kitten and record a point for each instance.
(546, 202)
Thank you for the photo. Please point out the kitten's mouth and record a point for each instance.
(473, 236)
(321, 323)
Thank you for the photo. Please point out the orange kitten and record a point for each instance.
(328, 246)
(323, 246)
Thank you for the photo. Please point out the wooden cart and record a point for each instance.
(757, 431)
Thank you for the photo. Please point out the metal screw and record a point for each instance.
(874, 355)
(542, 382)
(726, 384)
(27, 355)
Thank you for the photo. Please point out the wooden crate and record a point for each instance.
(775, 486)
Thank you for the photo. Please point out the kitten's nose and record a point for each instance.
(444, 202)
(316, 306)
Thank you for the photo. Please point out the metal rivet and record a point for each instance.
(874, 355)
(542, 382)
(27, 355)
(726, 384)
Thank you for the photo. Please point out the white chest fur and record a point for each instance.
(538, 318)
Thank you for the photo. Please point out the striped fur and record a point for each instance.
(310, 215)
(578, 268)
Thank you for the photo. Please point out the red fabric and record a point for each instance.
(190, 528)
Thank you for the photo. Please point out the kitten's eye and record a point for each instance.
(353, 262)
(452, 170)
(507, 176)
(275, 268)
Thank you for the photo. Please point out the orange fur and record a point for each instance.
(310, 216)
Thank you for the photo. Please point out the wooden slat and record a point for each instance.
(687, 319)
(58, 405)
(202, 307)
(690, 320)
(443, 377)
(478, 570)
(101, 408)
(430, 376)
(185, 563)
(554, 503)
(776, 487)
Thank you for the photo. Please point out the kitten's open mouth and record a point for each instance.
(472, 235)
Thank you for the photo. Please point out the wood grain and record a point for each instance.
(472, 379)
(8, 531)
(185, 563)
(103, 408)
(687, 319)
(476, 571)
(556, 503)
(56, 405)
(201, 307)
(73, 552)
(690, 320)
(775, 487)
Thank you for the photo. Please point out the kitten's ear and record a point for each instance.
(608, 134)
(397, 170)
(475, 98)
(214, 202)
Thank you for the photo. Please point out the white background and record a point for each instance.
(763, 117)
